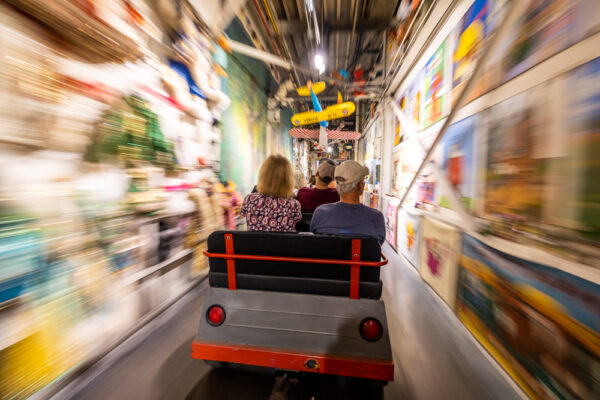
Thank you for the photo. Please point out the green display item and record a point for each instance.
(130, 132)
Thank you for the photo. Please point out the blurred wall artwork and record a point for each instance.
(435, 86)
(467, 39)
(391, 219)
(458, 160)
(574, 205)
(437, 260)
(540, 323)
(516, 147)
(545, 28)
(408, 236)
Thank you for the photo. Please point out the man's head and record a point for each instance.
(325, 173)
(349, 178)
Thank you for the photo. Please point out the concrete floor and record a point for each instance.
(435, 357)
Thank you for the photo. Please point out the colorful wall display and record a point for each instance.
(406, 158)
(408, 236)
(582, 135)
(546, 28)
(398, 135)
(458, 160)
(438, 255)
(415, 97)
(435, 86)
(391, 205)
(519, 131)
(467, 39)
(540, 323)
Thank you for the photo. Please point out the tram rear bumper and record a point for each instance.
(298, 332)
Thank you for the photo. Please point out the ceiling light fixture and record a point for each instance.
(310, 5)
(319, 63)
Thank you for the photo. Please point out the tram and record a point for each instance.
(296, 302)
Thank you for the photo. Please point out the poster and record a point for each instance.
(414, 101)
(396, 165)
(398, 135)
(435, 87)
(407, 165)
(468, 39)
(438, 258)
(572, 200)
(391, 219)
(458, 160)
(540, 323)
(582, 132)
(408, 237)
(519, 131)
(546, 28)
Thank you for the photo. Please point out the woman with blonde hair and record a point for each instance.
(299, 181)
(272, 208)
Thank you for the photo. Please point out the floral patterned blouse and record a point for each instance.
(270, 214)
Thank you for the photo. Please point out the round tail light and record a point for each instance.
(371, 330)
(215, 315)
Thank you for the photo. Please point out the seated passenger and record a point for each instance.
(311, 198)
(272, 208)
(349, 216)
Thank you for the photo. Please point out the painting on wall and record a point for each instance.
(438, 258)
(435, 87)
(391, 219)
(546, 28)
(408, 237)
(416, 100)
(519, 131)
(407, 156)
(541, 324)
(398, 135)
(583, 134)
(396, 165)
(572, 200)
(467, 39)
(458, 160)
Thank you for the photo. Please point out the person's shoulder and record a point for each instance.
(376, 214)
(371, 211)
(329, 206)
(252, 197)
(305, 189)
(326, 207)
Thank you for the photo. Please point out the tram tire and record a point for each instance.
(216, 364)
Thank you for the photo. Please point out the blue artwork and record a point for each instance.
(458, 159)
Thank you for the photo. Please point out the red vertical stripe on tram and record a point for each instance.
(355, 269)
(230, 263)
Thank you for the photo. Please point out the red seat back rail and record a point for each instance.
(297, 259)
(355, 263)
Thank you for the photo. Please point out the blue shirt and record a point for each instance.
(348, 219)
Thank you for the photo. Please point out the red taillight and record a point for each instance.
(215, 315)
(370, 329)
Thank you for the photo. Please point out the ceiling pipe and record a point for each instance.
(280, 39)
(264, 22)
(356, 3)
(253, 52)
(270, 58)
